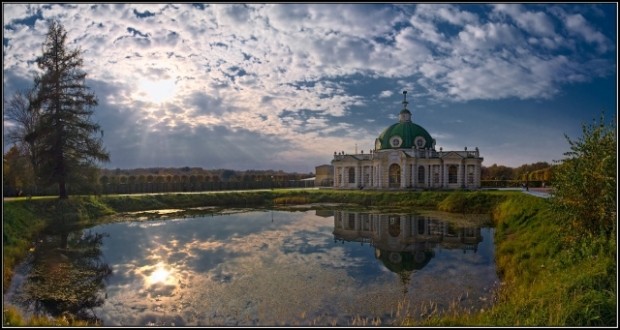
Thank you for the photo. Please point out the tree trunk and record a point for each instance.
(62, 190)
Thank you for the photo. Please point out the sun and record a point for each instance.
(156, 91)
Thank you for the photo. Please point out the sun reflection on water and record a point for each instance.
(161, 275)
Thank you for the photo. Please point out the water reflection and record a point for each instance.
(404, 243)
(67, 275)
(278, 268)
(159, 274)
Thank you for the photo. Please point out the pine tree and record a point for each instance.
(67, 138)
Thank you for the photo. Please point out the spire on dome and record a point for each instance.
(405, 115)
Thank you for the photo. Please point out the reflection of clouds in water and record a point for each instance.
(146, 224)
(158, 274)
(289, 272)
(451, 274)
(262, 267)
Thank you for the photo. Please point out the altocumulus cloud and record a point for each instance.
(282, 86)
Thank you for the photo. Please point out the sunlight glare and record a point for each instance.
(160, 275)
(157, 91)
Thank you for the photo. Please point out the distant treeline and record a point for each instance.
(18, 182)
(541, 171)
(178, 174)
(196, 179)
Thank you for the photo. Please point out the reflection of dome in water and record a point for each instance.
(404, 261)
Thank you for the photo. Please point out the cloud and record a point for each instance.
(578, 26)
(294, 73)
(446, 13)
(386, 94)
(537, 23)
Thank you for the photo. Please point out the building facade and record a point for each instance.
(324, 176)
(404, 157)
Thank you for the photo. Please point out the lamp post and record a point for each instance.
(527, 181)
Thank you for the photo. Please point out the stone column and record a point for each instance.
(463, 169)
(428, 175)
(442, 169)
(414, 172)
(336, 176)
(339, 178)
(372, 175)
(477, 175)
(403, 176)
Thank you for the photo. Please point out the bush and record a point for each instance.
(585, 181)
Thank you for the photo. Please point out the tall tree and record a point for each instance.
(20, 111)
(67, 141)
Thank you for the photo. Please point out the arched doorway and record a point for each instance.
(351, 175)
(421, 175)
(394, 226)
(452, 174)
(394, 176)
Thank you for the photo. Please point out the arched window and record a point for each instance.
(421, 174)
(394, 226)
(351, 221)
(351, 175)
(421, 226)
(452, 174)
(394, 176)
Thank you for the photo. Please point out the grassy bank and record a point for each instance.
(549, 277)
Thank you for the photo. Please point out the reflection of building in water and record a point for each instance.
(324, 213)
(403, 242)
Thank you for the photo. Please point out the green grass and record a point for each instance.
(12, 317)
(20, 226)
(550, 276)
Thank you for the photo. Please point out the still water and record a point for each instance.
(263, 268)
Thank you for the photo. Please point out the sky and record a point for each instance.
(284, 86)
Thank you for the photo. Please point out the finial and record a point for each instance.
(405, 100)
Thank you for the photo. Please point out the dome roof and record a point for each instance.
(404, 134)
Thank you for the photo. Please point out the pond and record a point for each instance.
(263, 268)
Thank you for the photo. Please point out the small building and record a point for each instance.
(324, 176)
(405, 157)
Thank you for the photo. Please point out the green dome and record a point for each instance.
(404, 134)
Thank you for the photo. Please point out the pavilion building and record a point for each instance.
(404, 157)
